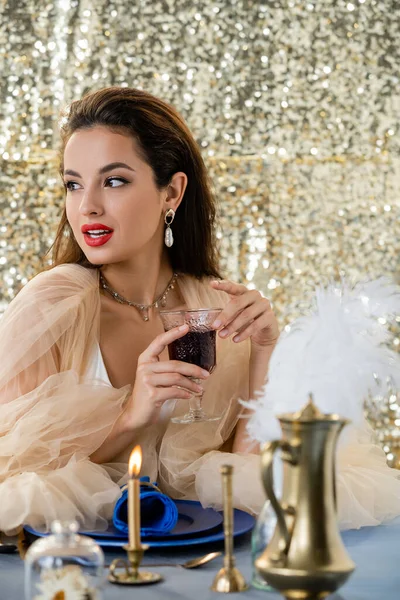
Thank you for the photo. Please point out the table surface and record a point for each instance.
(375, 550)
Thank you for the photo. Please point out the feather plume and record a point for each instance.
(336, 353)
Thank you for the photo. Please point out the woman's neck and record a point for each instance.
(139, 281)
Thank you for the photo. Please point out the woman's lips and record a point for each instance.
(97, 241)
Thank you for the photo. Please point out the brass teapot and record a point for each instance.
(306, 558)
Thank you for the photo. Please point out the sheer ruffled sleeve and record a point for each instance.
(368, 490)
(52, 420)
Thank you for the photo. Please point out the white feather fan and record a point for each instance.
(333, 353)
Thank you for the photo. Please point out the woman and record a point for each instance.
(87, 374)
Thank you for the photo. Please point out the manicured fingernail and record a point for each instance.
(236, 338)
(205, 373)
(217, 324)
(199, 388)
(182, 327)
(216, 281)
(223, 332)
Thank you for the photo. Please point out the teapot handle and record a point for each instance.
(335, 502)
(267, 461)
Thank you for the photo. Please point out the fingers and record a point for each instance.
(243, 319)
(235, 306)
(177, 366)
(236, 289)
(264, 322)
(159, 344)
(160, 381)
(246, 314)
(175, 380)
(170, 393)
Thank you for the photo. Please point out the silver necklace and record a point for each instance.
(143, 309)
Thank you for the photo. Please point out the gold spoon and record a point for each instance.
(192, 563)
(189, 564)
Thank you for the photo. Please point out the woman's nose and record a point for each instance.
(90, 205)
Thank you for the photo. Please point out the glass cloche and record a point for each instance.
(64, 566)
(260, 538)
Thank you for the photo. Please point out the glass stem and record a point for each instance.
(195, 400)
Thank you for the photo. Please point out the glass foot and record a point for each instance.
(194, 416)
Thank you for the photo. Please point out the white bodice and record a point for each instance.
(97, 369)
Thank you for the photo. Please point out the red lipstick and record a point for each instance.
(96, 234)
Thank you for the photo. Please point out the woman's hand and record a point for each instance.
(247, 315)
(157, 381)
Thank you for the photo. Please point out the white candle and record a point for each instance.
(135, 463)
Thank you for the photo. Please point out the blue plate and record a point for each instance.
(243, 522)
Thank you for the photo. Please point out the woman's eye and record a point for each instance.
(115, 181)
(71, 186)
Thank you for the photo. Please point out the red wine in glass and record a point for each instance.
(197, 347)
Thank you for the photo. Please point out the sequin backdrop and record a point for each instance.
(295, 105)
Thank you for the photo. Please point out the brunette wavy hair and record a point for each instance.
(168, 146)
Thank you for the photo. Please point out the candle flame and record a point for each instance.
(135, 462)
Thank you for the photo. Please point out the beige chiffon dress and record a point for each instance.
(58, 406)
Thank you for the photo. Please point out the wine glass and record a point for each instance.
(197, 347)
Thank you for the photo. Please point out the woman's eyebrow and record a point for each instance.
(105, 169)
(114, 165)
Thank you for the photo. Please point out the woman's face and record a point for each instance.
(113, 204)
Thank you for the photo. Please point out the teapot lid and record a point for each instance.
(310, 412)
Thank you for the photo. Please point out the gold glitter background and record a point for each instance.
(295, 105)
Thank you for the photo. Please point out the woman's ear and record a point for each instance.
(175, 191)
